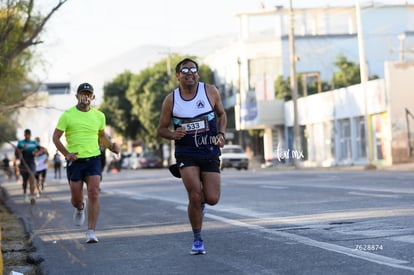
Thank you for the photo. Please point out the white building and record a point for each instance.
(42, 110)
(332, 124)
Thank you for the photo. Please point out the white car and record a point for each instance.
(233, 156)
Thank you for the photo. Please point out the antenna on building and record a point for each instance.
(261, 6)
(402, 37)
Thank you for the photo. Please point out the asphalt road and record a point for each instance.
(267, 222)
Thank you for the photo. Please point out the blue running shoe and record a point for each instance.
(198, 248)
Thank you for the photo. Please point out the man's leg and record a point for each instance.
(37, 183)
(32, 186)
(211, 187)
(191, 180)
(24, 185)
(93, 200)
(43, 179)
(76, 190)
(77, 200)
(25, 180)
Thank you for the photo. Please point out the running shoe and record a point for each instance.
(25, 198)
(90, 236)
(32, 200)
(79, 216)
(198, 248)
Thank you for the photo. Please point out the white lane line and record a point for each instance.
(367, 256)
(383, 260)
(273, 187)
(374, 195)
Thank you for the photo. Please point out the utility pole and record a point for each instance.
(293, 84)
(238, 104)
(364, 79)
(402, 37)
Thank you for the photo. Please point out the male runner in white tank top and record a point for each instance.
(197, 114)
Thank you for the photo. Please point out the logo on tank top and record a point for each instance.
(200, 104)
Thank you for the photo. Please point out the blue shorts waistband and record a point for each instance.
(87, 159)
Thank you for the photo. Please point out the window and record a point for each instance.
(360, 138)
(262, 74)
(344, 139)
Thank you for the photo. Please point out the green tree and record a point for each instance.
(147, 92)
(282, 89)
(348, 74)
(117, 107)
(20, 29)
(132, 102)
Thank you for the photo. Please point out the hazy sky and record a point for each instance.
(85, 33)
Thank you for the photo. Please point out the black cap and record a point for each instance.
(85, 87)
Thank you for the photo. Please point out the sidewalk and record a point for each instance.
(15, 245)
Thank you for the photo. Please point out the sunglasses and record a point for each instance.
(186, 70)
(85, 93)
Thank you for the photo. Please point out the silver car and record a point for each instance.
(233, 156)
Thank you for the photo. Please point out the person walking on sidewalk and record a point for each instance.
(27, 166)
(84, 127)
(197, 114)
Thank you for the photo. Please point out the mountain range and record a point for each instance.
(141, 57)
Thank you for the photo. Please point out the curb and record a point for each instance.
(1, 254)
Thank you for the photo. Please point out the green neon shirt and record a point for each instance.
(82, 131)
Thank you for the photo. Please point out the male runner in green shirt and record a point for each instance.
(84, 127)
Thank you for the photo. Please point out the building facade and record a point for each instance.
(248, 69)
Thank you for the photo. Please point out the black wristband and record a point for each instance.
(221, 133)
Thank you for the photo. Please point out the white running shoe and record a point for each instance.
(90, 236)
(79, 216)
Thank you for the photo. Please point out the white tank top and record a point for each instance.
(40, 162)
(198, 118)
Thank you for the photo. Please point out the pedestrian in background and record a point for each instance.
(199, 120)
(27, 166)
(84, 127)
(5, 163)
(42, 161)
(57, 164)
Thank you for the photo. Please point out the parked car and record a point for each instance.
(233, 156)
(149, 160)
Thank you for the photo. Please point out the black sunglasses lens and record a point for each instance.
(193, 69)
(185, 70)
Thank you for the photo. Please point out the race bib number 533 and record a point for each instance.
(199, 125)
